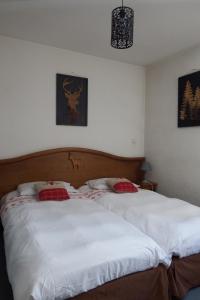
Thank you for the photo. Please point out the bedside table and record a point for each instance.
(149, 185)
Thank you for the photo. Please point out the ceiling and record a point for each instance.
(162, 27)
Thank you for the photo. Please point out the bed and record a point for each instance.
(174, 224)
(76, 166)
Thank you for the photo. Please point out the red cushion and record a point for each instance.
(125, 187)
(57, 194)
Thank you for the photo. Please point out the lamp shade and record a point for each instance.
(122, 27)
(146, 166)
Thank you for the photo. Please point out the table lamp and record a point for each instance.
(146, 167)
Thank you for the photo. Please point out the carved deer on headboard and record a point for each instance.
(72, 98)
(75, 161)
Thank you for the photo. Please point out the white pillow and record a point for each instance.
(101, 183)
(8, 196)
(84, 188)
(98, 184)
(28, 189)
(68, 186)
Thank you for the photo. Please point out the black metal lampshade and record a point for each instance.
(122, 27)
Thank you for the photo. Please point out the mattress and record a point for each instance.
(57, 250)
(174, 224)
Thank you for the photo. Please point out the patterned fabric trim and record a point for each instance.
(20, 200)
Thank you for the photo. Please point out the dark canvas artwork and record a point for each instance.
(189, 100)
(71, 100)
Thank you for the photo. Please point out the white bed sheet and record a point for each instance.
(174, 224)
(56, 250)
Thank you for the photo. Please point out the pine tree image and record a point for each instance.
(197, 104)
(186, 111)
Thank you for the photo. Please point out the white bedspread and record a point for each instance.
(174, 224)
(56, 250)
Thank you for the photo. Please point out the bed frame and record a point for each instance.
(77, 165)
(74, 165)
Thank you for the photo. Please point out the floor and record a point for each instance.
(194, 294)
(6, 291)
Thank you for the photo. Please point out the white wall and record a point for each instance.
(28, 100)
(174, 152)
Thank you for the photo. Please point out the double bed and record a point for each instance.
(77, 165)
(58, 250)
(54, 252)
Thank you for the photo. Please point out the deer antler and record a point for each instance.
(79, 91)
(66, 82)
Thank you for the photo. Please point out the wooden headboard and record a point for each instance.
(75, 165)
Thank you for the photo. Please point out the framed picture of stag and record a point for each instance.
(71, 100)
(189, 100)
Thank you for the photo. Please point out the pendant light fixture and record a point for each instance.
(122, 27)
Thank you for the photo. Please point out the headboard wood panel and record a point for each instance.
(75, 165)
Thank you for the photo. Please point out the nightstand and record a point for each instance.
(149, 185)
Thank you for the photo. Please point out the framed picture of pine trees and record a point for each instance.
(189, 100)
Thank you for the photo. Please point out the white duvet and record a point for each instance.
(174, 224)
(56, 250)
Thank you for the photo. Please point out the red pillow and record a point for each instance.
(122, 185)
(125, 187)
(57, 194)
